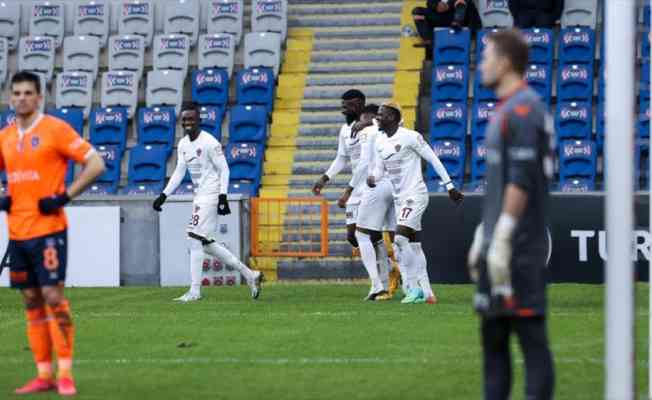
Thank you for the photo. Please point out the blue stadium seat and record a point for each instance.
(448, 121)
(248, 124)
(644, 86)
(576, 45)
(157, 127)
(573, 120)
(478, 164)
(147, 170)
(211, 118)
(255, 86)
(476, 186)
(244, 188)
(600, 124)
(644, 120)
(646, 16)
(186, 186)
(452, 154)
(575, 82)
(108, 182)
(452, 46)
(245, 161)
(642, 160)
(541, 44)
(73, 116)
(450, 83)
(70, 173)
(576, 185)
(577, 160)
(482, 112)
(645, 45)
(539, 77)
(7, 117)
(481, 92)
(481, 42)
(108, 126)
(210, 86)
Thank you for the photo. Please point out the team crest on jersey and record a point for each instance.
(35, 142)
(198, 152)
(397, 147)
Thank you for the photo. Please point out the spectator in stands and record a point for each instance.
(443, 14)
(536, 13)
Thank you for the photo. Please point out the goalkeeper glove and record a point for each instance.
(499, 256)
(474, 253)
(52, 204)
(5, 203)
(223, 206)
(159, 202)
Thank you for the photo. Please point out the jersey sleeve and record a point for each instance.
(361, 170)
(424, 150)
(70, 144)
(520, 134)
(177, 175)
(339, 162)
(218, 160)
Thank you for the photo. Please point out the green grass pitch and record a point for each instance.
(305, 341)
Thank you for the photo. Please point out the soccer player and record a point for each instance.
(509, 252)
(34, 151)
(201, 154)
(398, 155)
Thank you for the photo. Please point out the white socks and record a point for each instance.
(196, 261)
(422, 269)
(224, 255)
(406, 261)
(368, 255)
(383, 263)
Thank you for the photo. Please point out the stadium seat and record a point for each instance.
(70, 173)
(7, 117)
(495, 13)
(573, 120)
(36, 54)
(107, 183)
(452, 46)
(217, 51)
(575, 82)
(81, 53)
(244, 188)
(645, 45)
(576, 185)
(577, 160)
(450, 83)
(263, 49)
(186, 186)
(136, 17)
(645, 17)
(75, 89)
(539, 78)
(127, 53)
(642, 166)
(478, 161)
(579, 13)
(182, 18)
(482, 113)
(481, 42)
(4, 60)
(165, 88)
(157, 127)
(91, 18)
(600, 124)
(171, 52)
(210, 87)
(10, 23)
(147, 170)
(448, 121)
(248, 124)
(644, 83)
(245, 161)
(255, 86)
(480, 91)
(210, 120)
(576, 46)
(47, 19)
(644, 120)
(270, 16)
(452, 154)
(73, 117)
(120, 89)
(542, 45)
(226, 16)
(108, 127)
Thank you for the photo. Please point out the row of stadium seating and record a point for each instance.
(100, 18)
(495, 13)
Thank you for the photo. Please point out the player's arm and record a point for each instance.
(218, 160)
(5, 201)
(335, 168)
(361, 171)
(93, 168)
(425, 151)
(174, 182)
(378, 169)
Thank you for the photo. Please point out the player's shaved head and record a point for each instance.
(353, 102)
(190, 120)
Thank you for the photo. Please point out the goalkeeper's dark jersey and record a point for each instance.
(519, 148)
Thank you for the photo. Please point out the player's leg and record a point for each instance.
(196, 260)
(23, 277)
(49, 255)
(351, 214)
(368, 225)
(539, 372)
(497, 361)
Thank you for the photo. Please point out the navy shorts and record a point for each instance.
(38, 262)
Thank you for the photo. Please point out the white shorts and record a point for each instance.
(352, 213)
(410, 209)
(203, 220)
(377, 208)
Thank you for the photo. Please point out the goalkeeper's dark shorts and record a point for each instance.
(38, 262)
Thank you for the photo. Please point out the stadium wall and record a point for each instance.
(576, 227)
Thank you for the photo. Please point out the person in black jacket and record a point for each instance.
(444, 13)
(536, 13)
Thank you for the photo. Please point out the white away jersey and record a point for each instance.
(205, 161)
(347, 148)
(399, 157)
